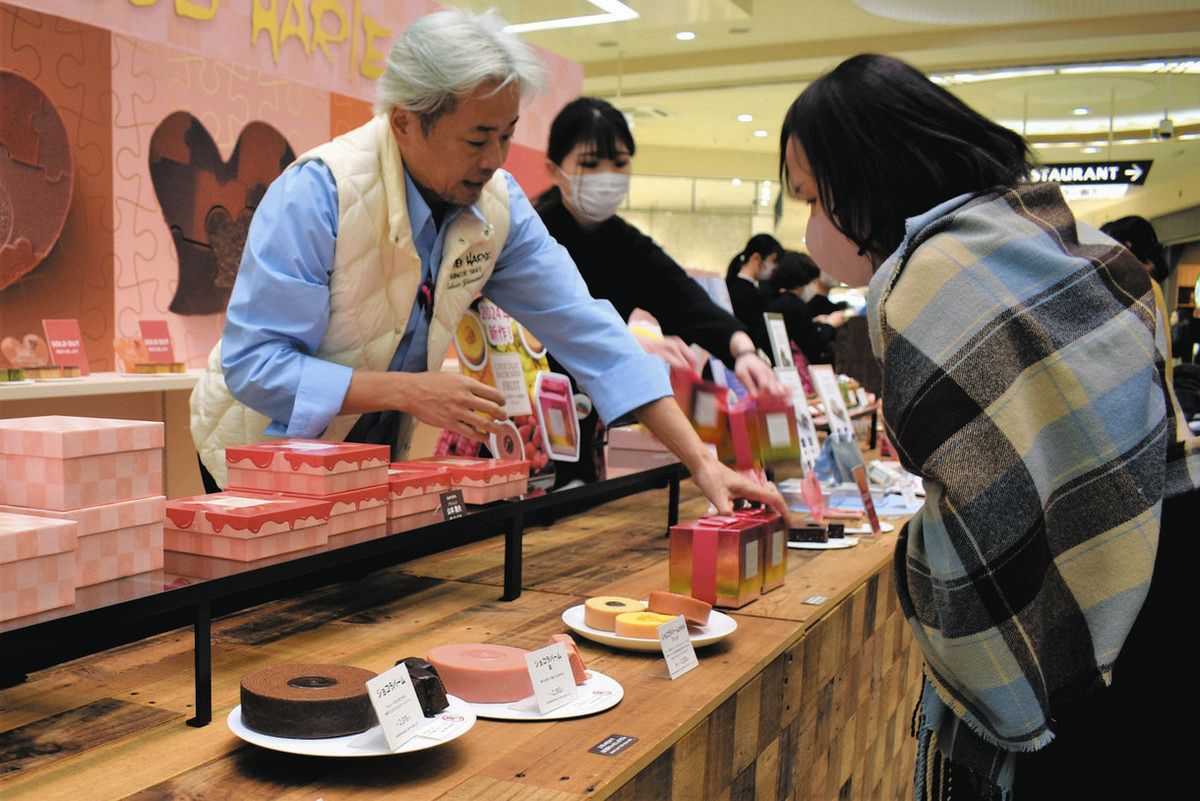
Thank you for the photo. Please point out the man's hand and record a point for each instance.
(672, 350)
(722, 486)
(757, 376)
(442, 400)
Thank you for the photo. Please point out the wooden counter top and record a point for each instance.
(111, 726)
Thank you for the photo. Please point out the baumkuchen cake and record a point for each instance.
(672, 603)
(601, 612)
(430, 691)
(307, 701)
(482, 673)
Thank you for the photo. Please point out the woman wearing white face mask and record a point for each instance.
(795, 277)
(588, 158)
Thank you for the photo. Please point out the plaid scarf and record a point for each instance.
(1023, 365)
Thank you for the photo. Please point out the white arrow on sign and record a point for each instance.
(1135, 172)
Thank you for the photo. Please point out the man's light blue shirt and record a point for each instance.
(279, 308)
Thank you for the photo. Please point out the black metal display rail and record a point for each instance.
(279, 580)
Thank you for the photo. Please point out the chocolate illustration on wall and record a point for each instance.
(36, 176)
(208, 203)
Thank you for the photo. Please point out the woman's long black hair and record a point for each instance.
(886, 143)
(590, 120)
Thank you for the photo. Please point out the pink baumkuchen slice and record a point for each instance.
(482, 673)
(578, 668)
(672, 603)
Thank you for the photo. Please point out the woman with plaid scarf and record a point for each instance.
(1023, 361)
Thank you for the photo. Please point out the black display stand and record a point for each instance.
(25, 648)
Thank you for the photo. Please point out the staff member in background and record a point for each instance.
(794, 277)
(746, 269)
(589, 158)
(364, 254)
(1023, 379)
(820, 304)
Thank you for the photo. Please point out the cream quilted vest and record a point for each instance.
(376, 272)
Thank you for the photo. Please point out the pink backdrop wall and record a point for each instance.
(116, 68)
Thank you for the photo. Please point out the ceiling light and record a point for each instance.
(745, 118)
(736, 182)
(760, 133)
(1091, 149)
(1079, 111)
(685, 36)
(614, 11)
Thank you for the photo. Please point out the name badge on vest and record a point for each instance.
(469, 268)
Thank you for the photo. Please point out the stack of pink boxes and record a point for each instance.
(37, 564)
(481, 480)
(216, 535)
(351, 476)
(102, 476)
(632, 449)
(415, 496)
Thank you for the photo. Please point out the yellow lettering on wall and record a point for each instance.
(265, 18)
(322, 37)
(372, 61)
(295, 24)
(194, 10)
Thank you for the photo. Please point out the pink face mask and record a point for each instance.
(834, 253)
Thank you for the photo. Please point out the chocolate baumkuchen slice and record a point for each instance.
(307, 701)
(430, 691)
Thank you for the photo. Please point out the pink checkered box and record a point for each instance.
(306, 467)
(64, 463)
(115, 540)
(415, 488)
(37, 564)
(245, 526)
(126, 588)
(482, 480)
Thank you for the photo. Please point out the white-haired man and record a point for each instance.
(363, 255)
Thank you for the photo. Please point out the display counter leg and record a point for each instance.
(202, 651)
(673, 502)
(512, 557)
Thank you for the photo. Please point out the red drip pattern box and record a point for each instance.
(306, 467)
(483, 480)
(245, 527)
(64, 463)
(37, 564)
(115, 540)
(415, 488)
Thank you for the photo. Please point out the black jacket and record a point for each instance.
(748, 306)
(815, 340)
(622, 265)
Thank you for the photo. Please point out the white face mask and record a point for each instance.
(808, 293)
(597, 196)
(834, 253)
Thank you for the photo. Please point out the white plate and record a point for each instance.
(719, 627)
(884, 528)
(597, 694)
(73, 379)
(454, 721)
(832, 545)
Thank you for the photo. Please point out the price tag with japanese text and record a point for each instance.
(396, 705)
(553, 681)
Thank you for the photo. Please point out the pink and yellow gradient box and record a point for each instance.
(716, 559)
(37, 564)
(482, 480)
(415, 488)
(115, 539)
(245, 527)
(773, 553)
(306, 467)
(63, 463)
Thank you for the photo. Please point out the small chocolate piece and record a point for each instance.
(808, 534)
(430, 691)
(837, 531)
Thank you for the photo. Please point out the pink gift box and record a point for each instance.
(398, 525)
(359, 535)
(115, 540)
(415, 488)
(635, 438)
(126, 588)
(245, 526)
(306, 467)
(64, 463)
(37, 564)
(716, 559)
(483, 480)
(182, 569)
(773, 550)
(360, 508)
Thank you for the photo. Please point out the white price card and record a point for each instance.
(510, 380)
(677, 647)
(396, 705)
(810, 445)
(553, 681)
(835, 405)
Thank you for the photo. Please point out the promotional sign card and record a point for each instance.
(677, 647)
(157, 337)
(864, 490)
(396, 705)
(553, 681)
(781, 344)
(835, 405)
(66, 344)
